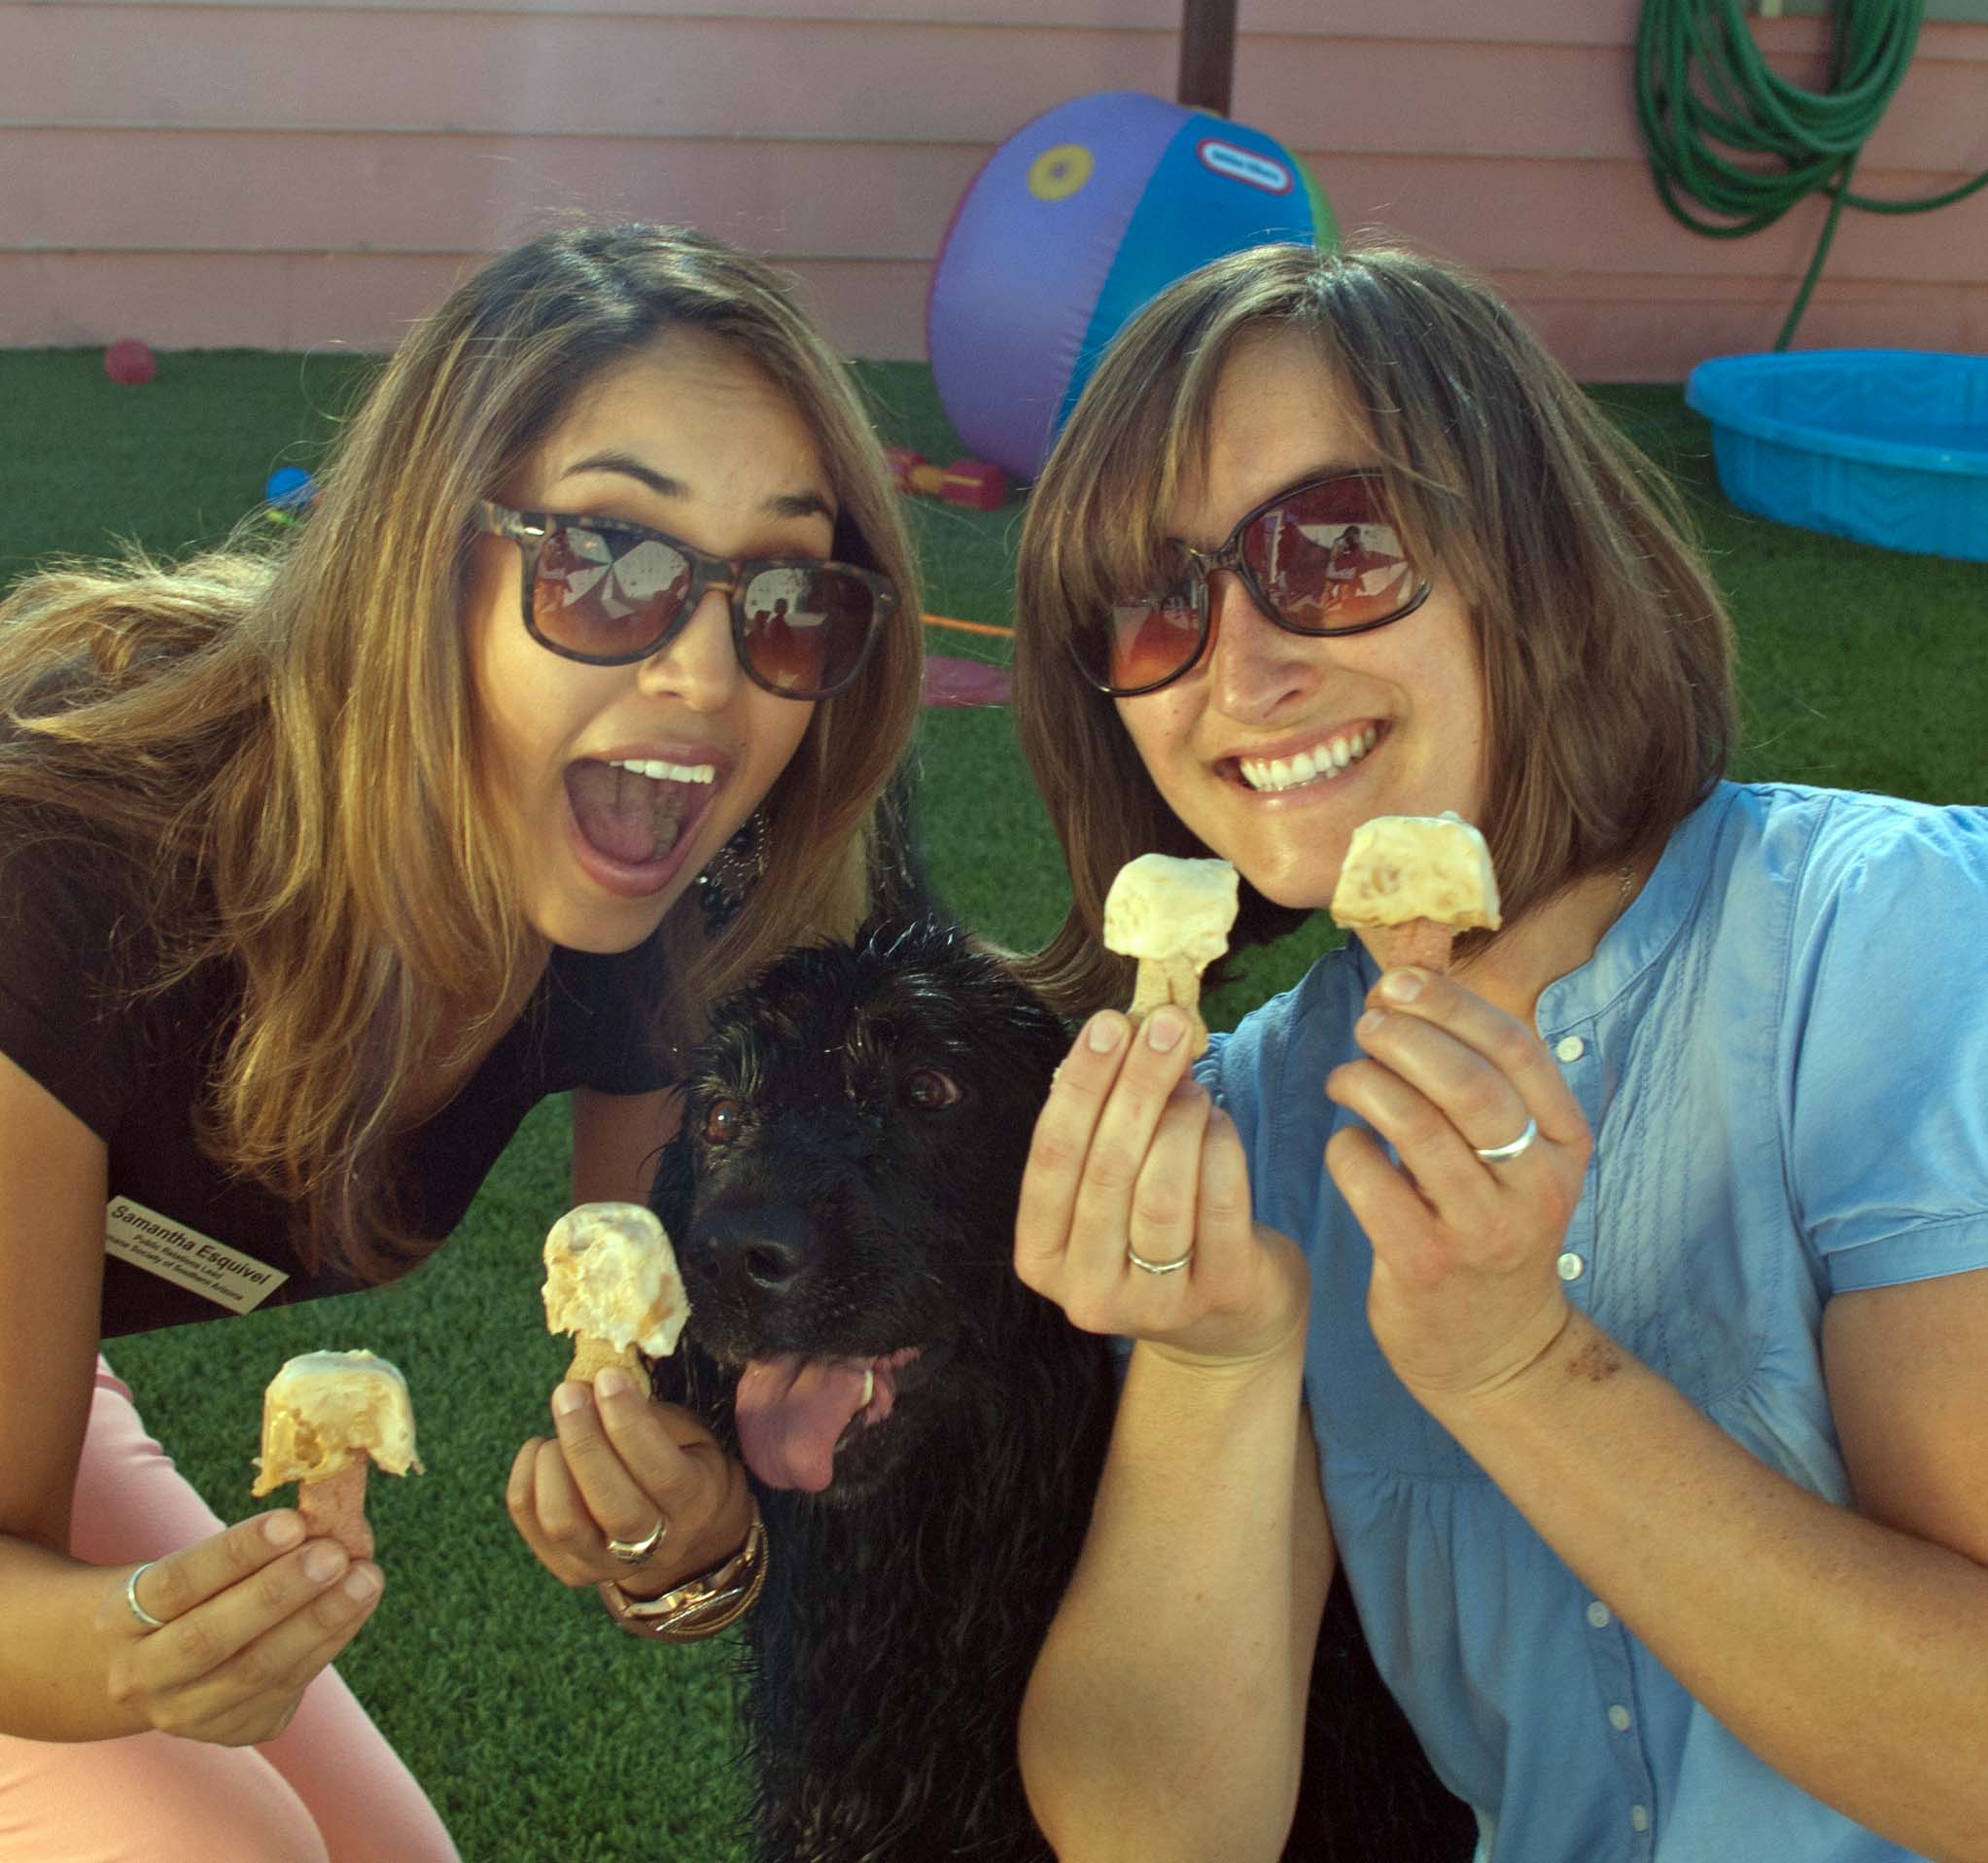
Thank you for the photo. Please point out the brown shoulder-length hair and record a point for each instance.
(286, 731)
(1605, 648)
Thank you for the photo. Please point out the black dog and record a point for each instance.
(924, 1433)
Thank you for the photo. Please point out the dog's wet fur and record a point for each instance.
(844, 1186)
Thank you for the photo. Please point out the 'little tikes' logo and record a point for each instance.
(1245, 165)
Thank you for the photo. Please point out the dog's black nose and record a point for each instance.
(762, 1251)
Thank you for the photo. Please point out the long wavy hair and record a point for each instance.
(284, 731)
(1605, 647)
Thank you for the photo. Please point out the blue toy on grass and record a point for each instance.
(290, 491)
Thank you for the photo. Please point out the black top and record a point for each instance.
(72, 941)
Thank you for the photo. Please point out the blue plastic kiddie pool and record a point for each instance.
(1887, 446)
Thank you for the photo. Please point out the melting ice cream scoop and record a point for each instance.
(1416, 881)
(1174, 916)
(612, 1281)
(327, 1417)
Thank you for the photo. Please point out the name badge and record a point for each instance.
(186, 1258)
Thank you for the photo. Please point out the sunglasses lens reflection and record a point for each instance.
(613, 596)
(1328, 558)
(606, 594)
(1152, 638)
(806, 629)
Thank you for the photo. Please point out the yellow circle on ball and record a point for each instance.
(1056, 174)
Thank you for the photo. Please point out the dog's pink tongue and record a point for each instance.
(627, 817)
(790, 1412)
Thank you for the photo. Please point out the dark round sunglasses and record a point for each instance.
(611, 594)
(1322, 558)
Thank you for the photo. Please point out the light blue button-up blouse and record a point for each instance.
(1782, 1050)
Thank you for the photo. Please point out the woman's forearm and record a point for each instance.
(1851, 1658)
(1165, 1718)
(53, 1664)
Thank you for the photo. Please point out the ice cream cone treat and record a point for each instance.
(1174, 916)
(1411, 883)
(612, 1281)
(327, 1417)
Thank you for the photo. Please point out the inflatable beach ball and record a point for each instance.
(1075, 222)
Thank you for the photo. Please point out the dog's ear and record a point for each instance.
(675, 1186)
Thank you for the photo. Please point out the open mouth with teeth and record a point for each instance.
(636, 812)
(1319, 764)
(795, 1415)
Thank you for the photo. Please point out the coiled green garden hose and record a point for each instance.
(1700, 81)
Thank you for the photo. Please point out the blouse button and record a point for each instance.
(1570, 1047)
(1570, 1266)
(1619, 1718)
(1599, 1614)
(1639, 1817)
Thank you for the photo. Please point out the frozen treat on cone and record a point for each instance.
(1411, 883)
(327, 1417)
(1174, 916)
(612, 1281)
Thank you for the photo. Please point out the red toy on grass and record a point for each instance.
(130, 363)
(966, 482)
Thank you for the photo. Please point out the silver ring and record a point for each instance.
(144, 1618)
(1504, 1154)
(634, 1552)
(1138, 1261)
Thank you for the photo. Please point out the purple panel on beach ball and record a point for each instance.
(1028, 250)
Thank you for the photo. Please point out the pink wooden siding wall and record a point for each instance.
(283, 174)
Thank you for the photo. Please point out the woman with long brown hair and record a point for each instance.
(321, 862)
(1610, 1307)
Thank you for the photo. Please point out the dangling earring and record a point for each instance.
(727, 883)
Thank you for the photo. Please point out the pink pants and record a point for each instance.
(328, 1789)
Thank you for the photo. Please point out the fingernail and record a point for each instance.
(283, 1530)
(322, 1563)
(1164, 1030)
(571, 1395)
(1102, 1034)
(614, 1382)
(362, 1582)
(1402, 986)
(1369, 1022)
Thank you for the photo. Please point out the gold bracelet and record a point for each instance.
(699, 1608)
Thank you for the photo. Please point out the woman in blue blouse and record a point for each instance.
(1613, 1307)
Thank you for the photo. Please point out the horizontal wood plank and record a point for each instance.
(91, 64)
(1593, 22)
(255, 192)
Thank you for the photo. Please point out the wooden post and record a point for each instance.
(1208, 55)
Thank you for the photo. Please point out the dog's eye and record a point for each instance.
(721, 1121)
(927, 1089)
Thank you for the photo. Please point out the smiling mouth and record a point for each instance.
(636, 812)
(1319, 764)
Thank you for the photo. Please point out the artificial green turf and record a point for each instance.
(539, 1731)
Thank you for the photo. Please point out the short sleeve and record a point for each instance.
(1887, 1033)
(72, 944)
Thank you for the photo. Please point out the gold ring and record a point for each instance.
(634, 1552)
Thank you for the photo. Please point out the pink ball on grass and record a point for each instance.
(130, 361)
